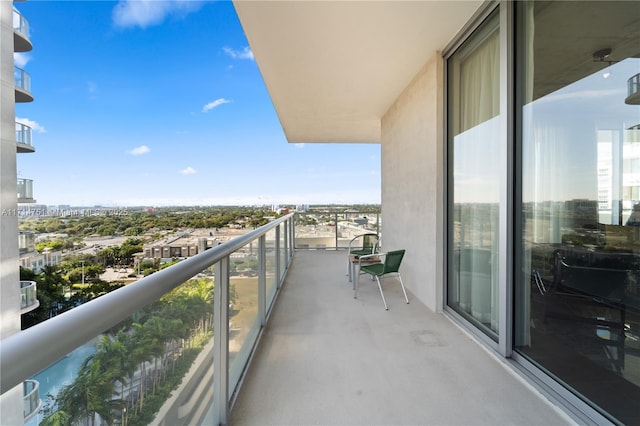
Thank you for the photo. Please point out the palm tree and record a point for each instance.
(57, 418)
(141, 354)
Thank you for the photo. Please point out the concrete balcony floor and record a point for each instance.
(326, 358)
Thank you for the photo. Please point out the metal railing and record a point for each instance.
(20, 24)
(333, 230)
(28, 295)
(23, 134)
(25, 189)
(22, 79)
(26, 353)
(633, 85)
(31, 394)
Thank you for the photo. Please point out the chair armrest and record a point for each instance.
(361, 236)
(370, 258)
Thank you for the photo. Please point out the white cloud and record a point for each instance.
(211, 105)
(245, 53)
(35, 126)
(188, 171)
(142, 149)
(21, 59)
(298, 145)
(145, 13)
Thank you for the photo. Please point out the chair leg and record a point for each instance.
(381, 293)
(403, 291)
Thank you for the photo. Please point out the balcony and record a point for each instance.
(21, 42)
(633, 90)
(22, 81)
(290, 345)
(32, 402)
(26, 242)
(28, 296)
(25, 190)
(23, 138)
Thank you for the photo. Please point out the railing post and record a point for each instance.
(221, 343)
(292, 236)
(335, 222)
(293, 232)
(277, 248)
(285, 226)
(262, 280)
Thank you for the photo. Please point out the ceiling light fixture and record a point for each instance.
(604, 55)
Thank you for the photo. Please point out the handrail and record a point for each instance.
(64, 333)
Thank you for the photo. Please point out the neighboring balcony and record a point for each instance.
(26, 242)
(22, 81)
(23, 138)
(32, 402)
(28, 296)
(25, 191)
(633, 90)
(21, 42)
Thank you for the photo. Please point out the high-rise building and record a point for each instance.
(16, 297)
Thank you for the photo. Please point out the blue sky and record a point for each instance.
(160, 103)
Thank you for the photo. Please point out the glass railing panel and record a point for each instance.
(22, 79)
(633, 85)
(25, 188)
(20, 24)
(270, 266)
(23, 134)
(31, 392)
(283, 252)
(333, 230)
(244, 322)
(315, 231)
(28, 294)
(154, 366)
(26, 242)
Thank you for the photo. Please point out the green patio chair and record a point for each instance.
(361, 245)
(389, 267)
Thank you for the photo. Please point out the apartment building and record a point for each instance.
(509, 136)
(16, 297)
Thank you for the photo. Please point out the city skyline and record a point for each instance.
(162, 103)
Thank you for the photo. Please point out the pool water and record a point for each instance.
(61, 373)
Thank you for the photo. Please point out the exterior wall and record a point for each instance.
(412, 182)
(9, 271)
(11, 403)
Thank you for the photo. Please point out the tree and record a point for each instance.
(91, 393)
(57, 418)
(50, 286)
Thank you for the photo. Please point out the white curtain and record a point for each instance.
(475, 94)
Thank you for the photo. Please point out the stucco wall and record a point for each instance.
(412, 176)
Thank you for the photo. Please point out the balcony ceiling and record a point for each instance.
(333, 68)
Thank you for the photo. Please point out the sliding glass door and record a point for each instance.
(577, 289)
(473, 77)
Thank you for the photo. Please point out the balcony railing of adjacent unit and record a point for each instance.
(162, 326)
(26, 242)
(21, 33)
(23, 138)
(22, 81)
(633, 90)
(333, 230)
(25, 190)
(28, 296)
(32, 402)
